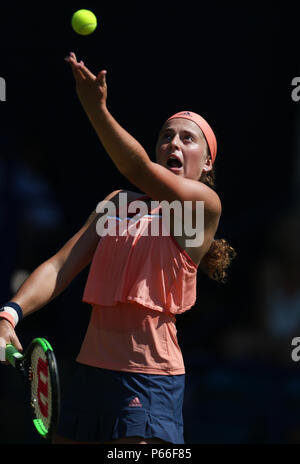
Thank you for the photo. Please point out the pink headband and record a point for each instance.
(204, 126)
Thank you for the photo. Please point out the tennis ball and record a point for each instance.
(84, 22)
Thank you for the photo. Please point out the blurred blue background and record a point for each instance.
(230, 63)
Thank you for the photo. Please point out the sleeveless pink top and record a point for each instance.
(137, 284)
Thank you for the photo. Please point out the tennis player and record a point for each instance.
(129, 385)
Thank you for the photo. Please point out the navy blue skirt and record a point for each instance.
(103, 405)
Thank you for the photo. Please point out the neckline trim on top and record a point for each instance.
(182, 250)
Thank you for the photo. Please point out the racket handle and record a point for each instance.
(12, 354)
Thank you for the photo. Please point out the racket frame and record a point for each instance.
(22, 363)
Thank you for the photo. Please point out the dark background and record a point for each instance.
(231, 62)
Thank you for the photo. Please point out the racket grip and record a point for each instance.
(12, 354)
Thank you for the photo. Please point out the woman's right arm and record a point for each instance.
(50, 278)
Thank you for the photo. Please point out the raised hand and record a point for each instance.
(91, 89)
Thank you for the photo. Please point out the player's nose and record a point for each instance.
(174, 141)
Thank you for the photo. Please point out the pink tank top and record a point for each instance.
(137, 284)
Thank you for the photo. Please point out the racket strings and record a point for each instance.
(41, 392)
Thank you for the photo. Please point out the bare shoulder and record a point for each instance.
(112, 196)
(212, 201)
(198, 192)
(130, 195)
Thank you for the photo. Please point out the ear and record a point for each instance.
(208, 165)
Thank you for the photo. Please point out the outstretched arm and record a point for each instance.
(49, 279)
(124, 150)
(127, 153)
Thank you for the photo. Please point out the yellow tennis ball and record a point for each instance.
(84, 22)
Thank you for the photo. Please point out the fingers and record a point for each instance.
(13, 340)
(7, 336)
(72, 54)
(85, 71)
(16, 342)
(78, 67)
(72, 60)
(101, 78)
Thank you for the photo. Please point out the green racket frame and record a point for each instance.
(23, 363)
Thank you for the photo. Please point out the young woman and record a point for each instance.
(130, 380)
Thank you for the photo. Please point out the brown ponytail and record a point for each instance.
(218, 258)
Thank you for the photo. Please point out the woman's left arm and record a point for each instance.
(126, 152)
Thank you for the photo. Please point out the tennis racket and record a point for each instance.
(39, 368)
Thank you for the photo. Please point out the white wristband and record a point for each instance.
(13, 312)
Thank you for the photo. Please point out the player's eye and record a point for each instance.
(167, 136)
